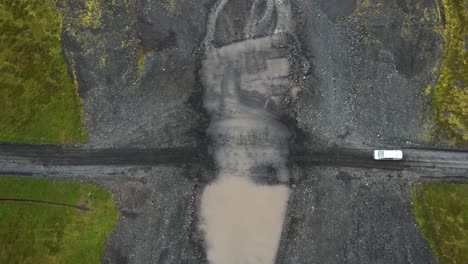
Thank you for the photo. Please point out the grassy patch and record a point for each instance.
(39, 100)
(47, 233)
(93, 14)
(140, 63)
(441, 211)
(450, 97)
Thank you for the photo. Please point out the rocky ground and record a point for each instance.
(370, 67)
(137, 65)
(352, 216)
(137, 68)
(335, 216)
(158, 221)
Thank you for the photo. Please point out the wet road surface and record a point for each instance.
(432, 162)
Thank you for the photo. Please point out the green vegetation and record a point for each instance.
(140, 63)
(92, 16)
(450, 96)
(441, 210)
(32, 232)
(39, 100)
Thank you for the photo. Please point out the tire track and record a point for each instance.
(79, 207)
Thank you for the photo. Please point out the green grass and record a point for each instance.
(450, 96)
(441, 211)
(44, 233)
(38, 98)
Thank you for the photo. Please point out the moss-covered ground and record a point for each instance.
(39, 100)
(441, 211)
(74, 230)
(450, 96)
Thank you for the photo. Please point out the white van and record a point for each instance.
(383, 154)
